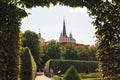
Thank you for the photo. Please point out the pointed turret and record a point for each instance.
(71, 39)
(64, 28)
(70, 35)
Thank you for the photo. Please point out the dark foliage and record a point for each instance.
(31, 40)
(28, 65)
(63, 65)
(10, 17)
(71, 74)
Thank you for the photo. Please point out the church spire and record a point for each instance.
(64, 28)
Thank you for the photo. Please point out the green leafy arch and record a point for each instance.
(107, 21)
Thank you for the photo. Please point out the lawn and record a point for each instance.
(84, 76)
(90, 76)
(91, 79)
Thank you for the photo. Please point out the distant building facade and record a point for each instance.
(41, 39)
(64, 38)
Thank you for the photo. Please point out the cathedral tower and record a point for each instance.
(64, 38)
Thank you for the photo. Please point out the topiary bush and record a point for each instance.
(28, 65)
(47, 68)
(56, 77)
(63, 65)
(71, 74)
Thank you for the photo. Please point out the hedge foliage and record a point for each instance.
(10, 17)
(63, 65)
(56, 77)
(28, 65)
(71, 74)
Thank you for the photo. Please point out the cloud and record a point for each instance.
(79, 10)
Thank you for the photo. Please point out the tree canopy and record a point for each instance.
(71, 3)
(71, 52)
(52, 50)
(31, 40)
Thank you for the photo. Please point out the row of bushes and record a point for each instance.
(28, 65)
(63, 65)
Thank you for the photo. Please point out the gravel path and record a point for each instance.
(41, 76)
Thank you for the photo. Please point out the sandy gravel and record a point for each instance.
(41, 76)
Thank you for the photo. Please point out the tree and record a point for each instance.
(52, 50)
(31, 40)
(71, 52)
(92, 53)
(87, 53)
(84, 53)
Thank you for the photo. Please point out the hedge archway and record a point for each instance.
(106, 14)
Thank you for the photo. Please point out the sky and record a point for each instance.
(50, 23)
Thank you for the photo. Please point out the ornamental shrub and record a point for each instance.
(28, 65)
(56, 77)
(63, 65)
(71, 74)
(47, 68)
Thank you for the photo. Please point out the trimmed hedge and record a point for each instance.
(56, 77)
(63, 65)
(28, 65)
(10, 21)
(71, 74)
(47, 68)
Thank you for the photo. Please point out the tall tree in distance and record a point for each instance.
(71, 52)
(52, 50)
(87, 53)
(31, 40)
(92, 53)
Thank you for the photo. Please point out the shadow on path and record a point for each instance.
(39, 74)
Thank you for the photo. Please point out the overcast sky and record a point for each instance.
(50, 23)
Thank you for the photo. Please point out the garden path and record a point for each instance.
(41, 76)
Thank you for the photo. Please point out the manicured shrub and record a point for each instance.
(47, 68)
(71, 74)
(63, 65)
(28, 65)
(56, 77)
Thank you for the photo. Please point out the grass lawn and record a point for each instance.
(84, 76)
(91, 79)
(90, 76)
